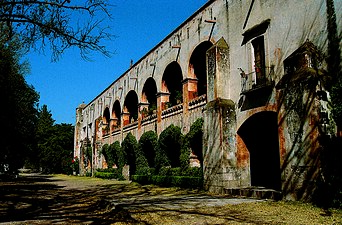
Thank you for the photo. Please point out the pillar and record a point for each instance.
(219, 131)
(162, 99)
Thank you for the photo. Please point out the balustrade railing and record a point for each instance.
(172, 111)
(130, 126)
(198, 102)
(256, 79)
(149, 119)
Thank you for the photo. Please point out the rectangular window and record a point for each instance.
(258, 54)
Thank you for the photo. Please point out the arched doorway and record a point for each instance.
(260, 135)
(172, 83)
(198, 67)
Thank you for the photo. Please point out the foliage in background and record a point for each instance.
(55, 144)
(18, 116)
(329, 191)
(62, 24)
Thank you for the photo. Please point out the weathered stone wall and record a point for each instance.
(244, 35)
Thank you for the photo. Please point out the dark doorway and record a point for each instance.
(260, 135)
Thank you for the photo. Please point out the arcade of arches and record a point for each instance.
(263, 99)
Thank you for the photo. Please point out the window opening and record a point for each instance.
(258, 59)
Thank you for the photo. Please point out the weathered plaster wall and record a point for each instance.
(289, 25)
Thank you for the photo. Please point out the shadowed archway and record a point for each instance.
(149, 93)
(260, 135)
(131, 106)
(198, 66)
(172, 82)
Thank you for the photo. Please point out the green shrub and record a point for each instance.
(145, 171)
(169, 145)
(110, 173)
(193, 140)
(129, 148)
(186, 182)
(141, 179)
(88, 174)
(113, 153)
(176, 171)
(140, 159)
(148, 143)
(163, 181)
(193, 172)
(164, 171)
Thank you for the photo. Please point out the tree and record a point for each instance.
(18, 114)
(55, 144)
(62, 23)
(334, 63)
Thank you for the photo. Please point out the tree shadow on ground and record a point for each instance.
(41, 200)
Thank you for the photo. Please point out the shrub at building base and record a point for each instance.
(171, 177)
(112, 173)
(170, 181)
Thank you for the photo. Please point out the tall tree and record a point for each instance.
(55, 143)
(18, 114)
(61, 23)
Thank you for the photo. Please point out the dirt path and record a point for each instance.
(39, 199)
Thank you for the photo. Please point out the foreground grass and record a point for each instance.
(246, 213)
(82, 200)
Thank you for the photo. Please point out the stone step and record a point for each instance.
(254, 192)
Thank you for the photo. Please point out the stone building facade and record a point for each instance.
(254, 70)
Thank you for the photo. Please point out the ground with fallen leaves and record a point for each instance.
(61, 199)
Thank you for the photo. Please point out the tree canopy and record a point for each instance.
(18, 114)
(60, 23)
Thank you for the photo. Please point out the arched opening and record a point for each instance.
(149, 93)
(106, 116)
(116, 114)
(131, 107)
(105, 121)
(197, 66)
(172, 83)
(260, 135)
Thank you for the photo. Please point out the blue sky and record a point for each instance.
(138, 27)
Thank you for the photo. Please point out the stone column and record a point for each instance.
(143, 112)
(218, 71)
(189, 92)
(125, 118)
(219, 132)
(162, 99)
